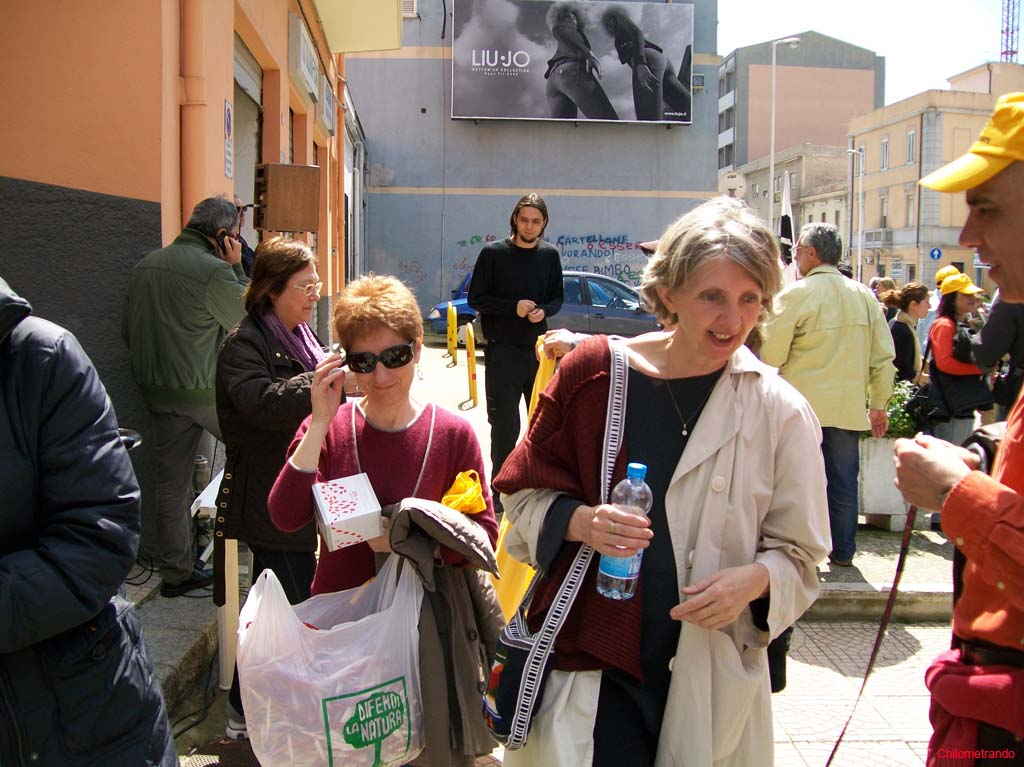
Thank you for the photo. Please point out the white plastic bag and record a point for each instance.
(346, 695)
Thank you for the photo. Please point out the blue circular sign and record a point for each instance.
(935, 254)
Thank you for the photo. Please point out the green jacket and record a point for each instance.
(829, 338)
(181, 302)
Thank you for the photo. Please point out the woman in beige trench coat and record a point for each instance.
(738, 525)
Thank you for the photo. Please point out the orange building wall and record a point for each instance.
(89, 95)
(812, 104)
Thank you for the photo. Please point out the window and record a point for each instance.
(753, 190)
(884, 162)
(409, 9)
(823, 216)
(607, 294)
(725, 156)
(836, 221)
(885, 212)
(810, 218)
(910, 209)
(573, 290)
(911, 147)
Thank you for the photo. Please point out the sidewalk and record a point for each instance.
(830, 647)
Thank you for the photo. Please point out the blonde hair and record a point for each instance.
(376, 302)
(721, 228)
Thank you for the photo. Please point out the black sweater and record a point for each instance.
(505, 274)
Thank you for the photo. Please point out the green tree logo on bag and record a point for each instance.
(366, 718)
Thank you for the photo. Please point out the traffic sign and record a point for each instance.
(935, 254)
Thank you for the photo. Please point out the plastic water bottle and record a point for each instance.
(617, 576)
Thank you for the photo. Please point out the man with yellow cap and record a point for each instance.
(978, 686)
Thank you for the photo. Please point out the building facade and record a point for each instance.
(910, 232)
(440, 188)
(124, 115)
(819, 86)
(817, 181)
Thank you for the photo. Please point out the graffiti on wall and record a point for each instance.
(411, 272)
(613, 255)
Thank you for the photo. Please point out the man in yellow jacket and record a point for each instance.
(829, 338)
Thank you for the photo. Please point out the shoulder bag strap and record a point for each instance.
(543, 641)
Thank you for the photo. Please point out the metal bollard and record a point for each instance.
(200, 474)
(471, 361)
(453, 335)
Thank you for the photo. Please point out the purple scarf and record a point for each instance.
(300, 344)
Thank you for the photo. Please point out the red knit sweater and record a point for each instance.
(562, 451)
(392, 461)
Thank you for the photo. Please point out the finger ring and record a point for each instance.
(613, 527)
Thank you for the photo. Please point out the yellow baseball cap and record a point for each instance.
(944, 272)
(959, 283)
(1001, 142)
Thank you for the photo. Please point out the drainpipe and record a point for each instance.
(193, 108)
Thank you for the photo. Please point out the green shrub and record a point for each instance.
(900, 422)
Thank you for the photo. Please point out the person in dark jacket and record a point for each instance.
(181, 301)
(1001, 336)
(264, 371)
(76, 685)
(911, 305)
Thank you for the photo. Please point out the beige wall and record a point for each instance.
(128, 99)
(83, 99)
(812, 105)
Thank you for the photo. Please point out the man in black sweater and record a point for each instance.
(516, 285)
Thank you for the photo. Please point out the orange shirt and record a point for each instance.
(940, 335)
(984, 517)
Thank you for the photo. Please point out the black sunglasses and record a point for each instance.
(391, 358)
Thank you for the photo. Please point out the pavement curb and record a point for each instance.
(866, 602)
(181, 639)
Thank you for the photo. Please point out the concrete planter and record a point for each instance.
(880, 501)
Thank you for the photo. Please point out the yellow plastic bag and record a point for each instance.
(545, 372)
(465, 494)
(515, 575)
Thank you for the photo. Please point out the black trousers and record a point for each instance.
(294, 569)
(511, 369)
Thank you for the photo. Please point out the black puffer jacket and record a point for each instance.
(76, 687)
(262, 397)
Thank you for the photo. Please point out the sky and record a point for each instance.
(923, 41)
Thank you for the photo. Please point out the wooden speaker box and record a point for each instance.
(287, 198)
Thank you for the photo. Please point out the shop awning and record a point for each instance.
(361, 25)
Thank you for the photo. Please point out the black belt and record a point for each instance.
(980, 653)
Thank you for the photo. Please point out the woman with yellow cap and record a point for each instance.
(959, 299)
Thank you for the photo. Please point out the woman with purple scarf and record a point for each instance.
(264, 372)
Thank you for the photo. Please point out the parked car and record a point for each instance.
(593, 304)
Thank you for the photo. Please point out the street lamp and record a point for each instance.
(792, 42)
(859, 151)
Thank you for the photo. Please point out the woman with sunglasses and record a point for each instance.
(407, 448)
(264, 373)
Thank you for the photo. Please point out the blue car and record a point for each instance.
(593, 304)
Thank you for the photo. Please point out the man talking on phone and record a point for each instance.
(181, 301)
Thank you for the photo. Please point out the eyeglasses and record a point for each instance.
(310, 289)
(391, 358)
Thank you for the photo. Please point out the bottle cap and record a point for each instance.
(636, 471)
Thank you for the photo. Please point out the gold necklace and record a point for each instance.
(685, 432)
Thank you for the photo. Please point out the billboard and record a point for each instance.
(576, 61)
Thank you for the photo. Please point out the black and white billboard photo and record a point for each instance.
(541, 60)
